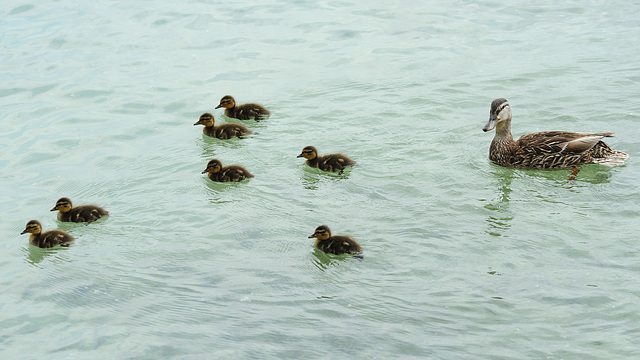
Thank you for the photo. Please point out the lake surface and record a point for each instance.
(462, 259)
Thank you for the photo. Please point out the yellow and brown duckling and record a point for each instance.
(336, 244)
(84, 213)
(217, 172)
(47, 239)
(256, 112)
(545, 150)
(224, 131)
(330, 162)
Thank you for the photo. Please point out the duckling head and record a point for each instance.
(227, 102)
(213, 167)
(33, 227)
(499, 114)
(63, 205)
(309, 153)
(205, 119)
(322, 233)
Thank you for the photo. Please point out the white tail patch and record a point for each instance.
(617, 158)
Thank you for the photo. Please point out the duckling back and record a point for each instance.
(232, 173)
(331, 162)
(228, 131)
(248, 111)
(224, 131)
(217, 172)
(84, 213)
(334, 162)
(47, 239)
(51, 239)
(339, 244)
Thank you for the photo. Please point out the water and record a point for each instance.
(463, 259)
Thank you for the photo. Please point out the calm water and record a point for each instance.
(463, 259)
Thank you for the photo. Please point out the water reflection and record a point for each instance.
(323, 261)
(500, 222)
(216, 190)
(312, 177)
(35, 255)
(592, 174)
(210, 145)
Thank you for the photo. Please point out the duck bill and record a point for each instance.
(219, 106)
(24, 232)
(54, 209)
(204, 172)
(299, 155)
(198, 123)
(311, 237)
(493, 120)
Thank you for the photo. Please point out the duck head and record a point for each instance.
(309, 153)
(322, 233)
(205, 119)
(33, 227)
(213, 167)
(227, 102)
(500, 112)
(63, 205)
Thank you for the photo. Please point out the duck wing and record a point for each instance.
(556, 142)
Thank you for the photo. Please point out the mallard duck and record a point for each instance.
(84, 213)
(337, 244)
(224, 131)
(228, 173)
(47, 239)
(330, 162)
(545, 150)
(256, 112)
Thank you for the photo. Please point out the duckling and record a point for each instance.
(48, 239)
(545, 150)
(331, 162)
(337, 244)
(256, 112)
(224, 131)
(84, 213)
(228, 173)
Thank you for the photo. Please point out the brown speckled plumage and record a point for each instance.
(255, 112)
(47, 239)
(84, 213)
(545, 150)
(334, 244)
(217, 172)
(224, 131)
(330, 162)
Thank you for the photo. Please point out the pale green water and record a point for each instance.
(463, 259)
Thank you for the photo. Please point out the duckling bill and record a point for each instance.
(255, 112)
(545, 150)
(84, 213)
(334, 244)
(217, 172)
(330, 162)
(224, 131)
(47, 239)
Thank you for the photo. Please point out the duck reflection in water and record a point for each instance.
(500, 222)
